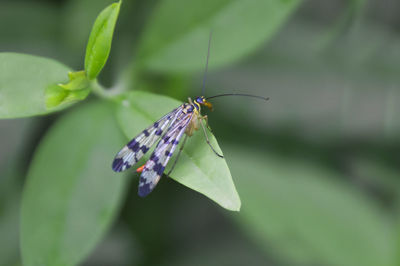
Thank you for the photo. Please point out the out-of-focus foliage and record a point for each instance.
(317, 167)
(296, 201)
(177, 41)
(60, 225)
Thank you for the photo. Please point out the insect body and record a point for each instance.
(169, 129)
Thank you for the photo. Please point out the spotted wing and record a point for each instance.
(155, 166)
(131, 153)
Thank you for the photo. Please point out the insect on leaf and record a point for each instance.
(198, 168)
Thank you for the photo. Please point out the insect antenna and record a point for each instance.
(239, 94)
(203, 89)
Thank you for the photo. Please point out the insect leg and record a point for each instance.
(177, 156)
(208, 141)
(205, 117)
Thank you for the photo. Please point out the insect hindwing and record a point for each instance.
(155, 166)
(131, 153)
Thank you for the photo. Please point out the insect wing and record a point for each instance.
(131, 153)
(155, 166)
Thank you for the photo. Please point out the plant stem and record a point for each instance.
(99, 90)
(102, 92)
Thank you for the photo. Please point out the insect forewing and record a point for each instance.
(155, 166)
(131, 153)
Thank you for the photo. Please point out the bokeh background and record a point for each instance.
(317, 167)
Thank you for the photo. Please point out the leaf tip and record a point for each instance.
(234, 205)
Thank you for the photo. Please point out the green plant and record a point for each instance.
(70, 176)
(316, 168)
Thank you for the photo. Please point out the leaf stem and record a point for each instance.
(104, 93)
(99, 90)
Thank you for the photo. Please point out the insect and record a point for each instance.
(168, 131)
(170, 128)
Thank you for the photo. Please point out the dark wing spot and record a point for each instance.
(146, 133)
(144, 149)
(133, 145)
(154, 158)
(159, 168)
(117, 164)
(144, 189)
(158, 132)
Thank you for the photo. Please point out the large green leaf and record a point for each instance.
(177, 35)
(71, 195)
(198, 168)
(307, 215)
(14, 138)
(23, 82)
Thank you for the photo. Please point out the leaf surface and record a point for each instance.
(177, 36)
(23, 82)
(99, 45)
(71, 196)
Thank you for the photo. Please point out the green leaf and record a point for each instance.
(100, 39)
(306, 214)
(55, 95)
(177, 35)
(77, 81)
(23, 82)
(77, 89)
(198, 167)
(72, 196)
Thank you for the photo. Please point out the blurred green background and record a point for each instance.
(317, 167)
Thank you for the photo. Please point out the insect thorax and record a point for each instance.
(191, 107)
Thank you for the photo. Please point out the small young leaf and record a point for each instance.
(55, 95)
(23, 82)
(198, 167)
(177, 36)
(100, 39)
(77, 81)
(71, 195)
(77, 89)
